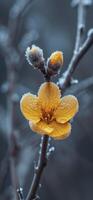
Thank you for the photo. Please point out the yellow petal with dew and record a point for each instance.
(61, 131)
(30, 108)
(67, 109)
(49, 96)
(41, 127)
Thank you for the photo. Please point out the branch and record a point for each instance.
(10, 124)
(39, 169)
(9, 53)
(81, 11)
(15, 16)
(65, 80)
(81, 20)
(63, 83)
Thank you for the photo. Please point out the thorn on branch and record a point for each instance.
(50, 151)
(83, 85)
(20, 193)
(74, 81)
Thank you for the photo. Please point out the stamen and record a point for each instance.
(47, 116)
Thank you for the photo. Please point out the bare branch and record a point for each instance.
(81, 12)
(81, 20)
(16, 13)
(39, 169)
(80, 49)
(65, 80)
(11, 102)
(63, 83)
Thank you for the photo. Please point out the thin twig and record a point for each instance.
(81, 12)
(10, 122)
(65, 80)
(81, 20)
(39, 169)
(15, 16)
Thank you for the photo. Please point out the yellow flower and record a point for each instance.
(48, 113)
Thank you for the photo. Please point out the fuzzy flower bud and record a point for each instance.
(54, 63)
(35, 57)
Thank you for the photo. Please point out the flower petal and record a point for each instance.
(61, 131)
(41, 127)
(67, 109)
(49, 96)
(30, 108)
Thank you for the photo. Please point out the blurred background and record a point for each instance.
(51, 25)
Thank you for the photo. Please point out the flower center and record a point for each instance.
(47, 116)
